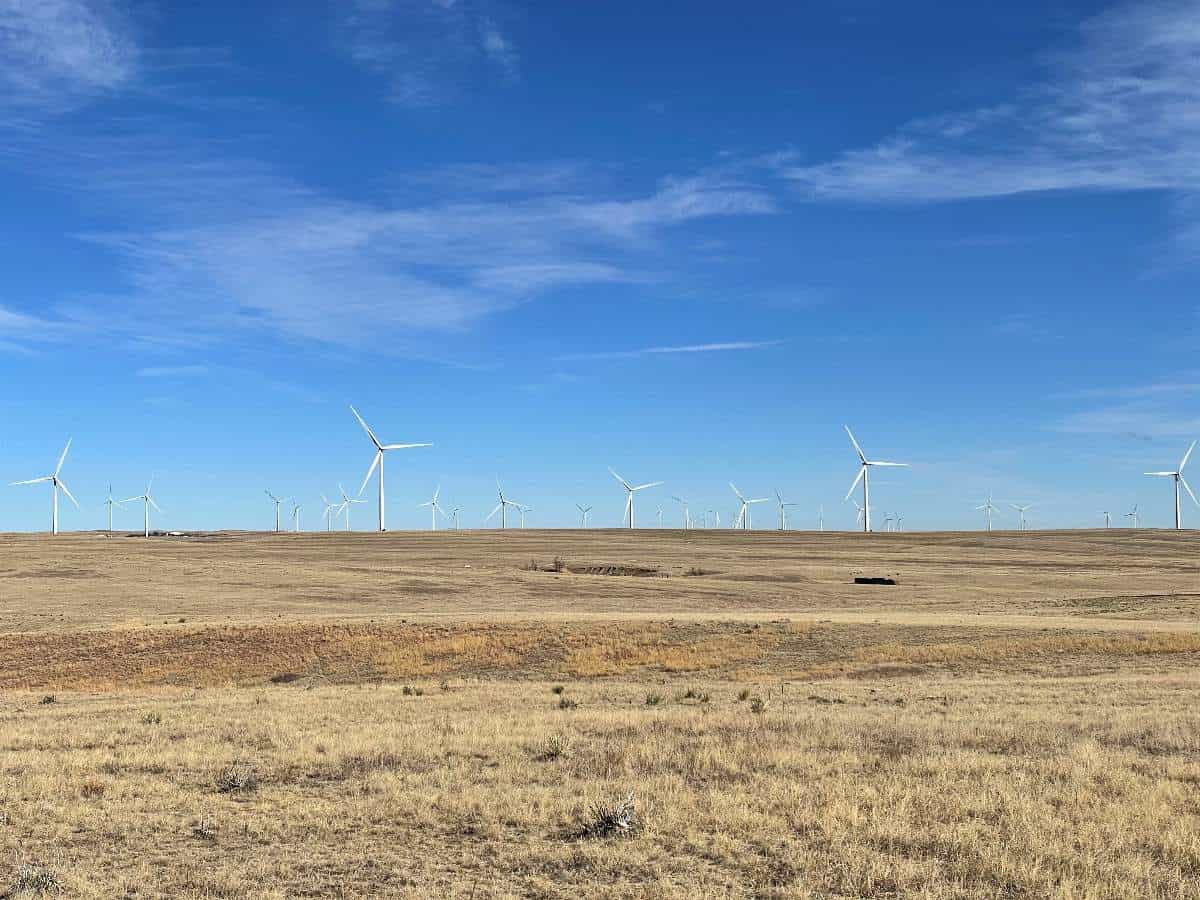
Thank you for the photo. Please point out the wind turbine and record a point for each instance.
(583, 514)
(716, 519)
(56, 485)
(858, 517)
(899, 519)
(630, 490)
(783, 510)
(501, 507)
(887, 522)
(687, 516)
(346, 503)
(328, 513)
(377, 462)
(435, 508)
(988, 507)
(110, 502)
(1020, 514)
(522, 510)
(1133, 514)
(276, 501)
(1107, 519)
(148, 500)
(1179, 479)
(821, 517)
(660, 516)
(743, 518)
(454, 517)
(864, 476)
(296, 507)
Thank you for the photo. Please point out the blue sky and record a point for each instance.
(551, 238)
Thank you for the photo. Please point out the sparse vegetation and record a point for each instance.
(48, 699)
(554, 747)
(413, 691)
(565, 702)
(34, 880)
(758, 705)
(611, 819)
(653, 698)
(743, 695)
(153, 717)
(238, 778)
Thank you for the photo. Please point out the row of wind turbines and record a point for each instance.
(743, 519)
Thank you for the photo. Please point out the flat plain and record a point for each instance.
(449, 714)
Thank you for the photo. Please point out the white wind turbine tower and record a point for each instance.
(1179, 479)
(296, 507)
(1133, 515)
(522, 510)
(630, 490)
(148, 500)
(1107, 519)
(435, 508)
(501, 507)
(377, 462)
(887, 522)
(276, 501)
(328, 512)
(821, 517)
(583, 514)
(660, 516)
(783, 507)
(56, 485)
(110, 503)
(899, 521)
(865, 477)
(687, 516)
(454, 516)
(1021, 510)
(347, 502)
(716, 519)
(988, 508)
(743, 518)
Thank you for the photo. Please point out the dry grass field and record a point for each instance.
(419, 715)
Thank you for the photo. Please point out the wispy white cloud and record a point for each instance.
(1119, 111)
(426, 50)
(723, 347)
(195, 371)
(56, 52)
(1157, 409)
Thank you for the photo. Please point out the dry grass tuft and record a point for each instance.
(612, 819)
(238, 778)
(34, 880)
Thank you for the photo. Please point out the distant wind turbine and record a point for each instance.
(887, 522)
(296, 507)
(899, 521)
(858, 517)
(660, 516)
(501, 507)
(1133, 515)
(1179, 479)
(1021, 510)
(1107, 519)
(864, 476)
(583, 514)
(522, 509)
(56, 485)
(988, 508)
(821, 518)
(148, 499)
(276, 501)
(687, 516)
(377, 463)
(454, 517)
(329, 512)
(435, 508)
(347, 502)
(110, 503)
(783, 508)
(743, 518)
(630, 490)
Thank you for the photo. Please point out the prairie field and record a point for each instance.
(600, 713)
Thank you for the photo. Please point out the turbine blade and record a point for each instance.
(1182, 462)
(619, 478)
(648, 484)
(63, 458)
(1171, 474)
(68, 493)
(1187, 487)
(493, 512)
(367, 429)
(402, 446)
(859, 477)
(880, 463)
(33, 480)
(736, 491)
(150, 500)
(370, 471)
(861, 455)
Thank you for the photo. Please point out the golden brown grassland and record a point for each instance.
(365, 715)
